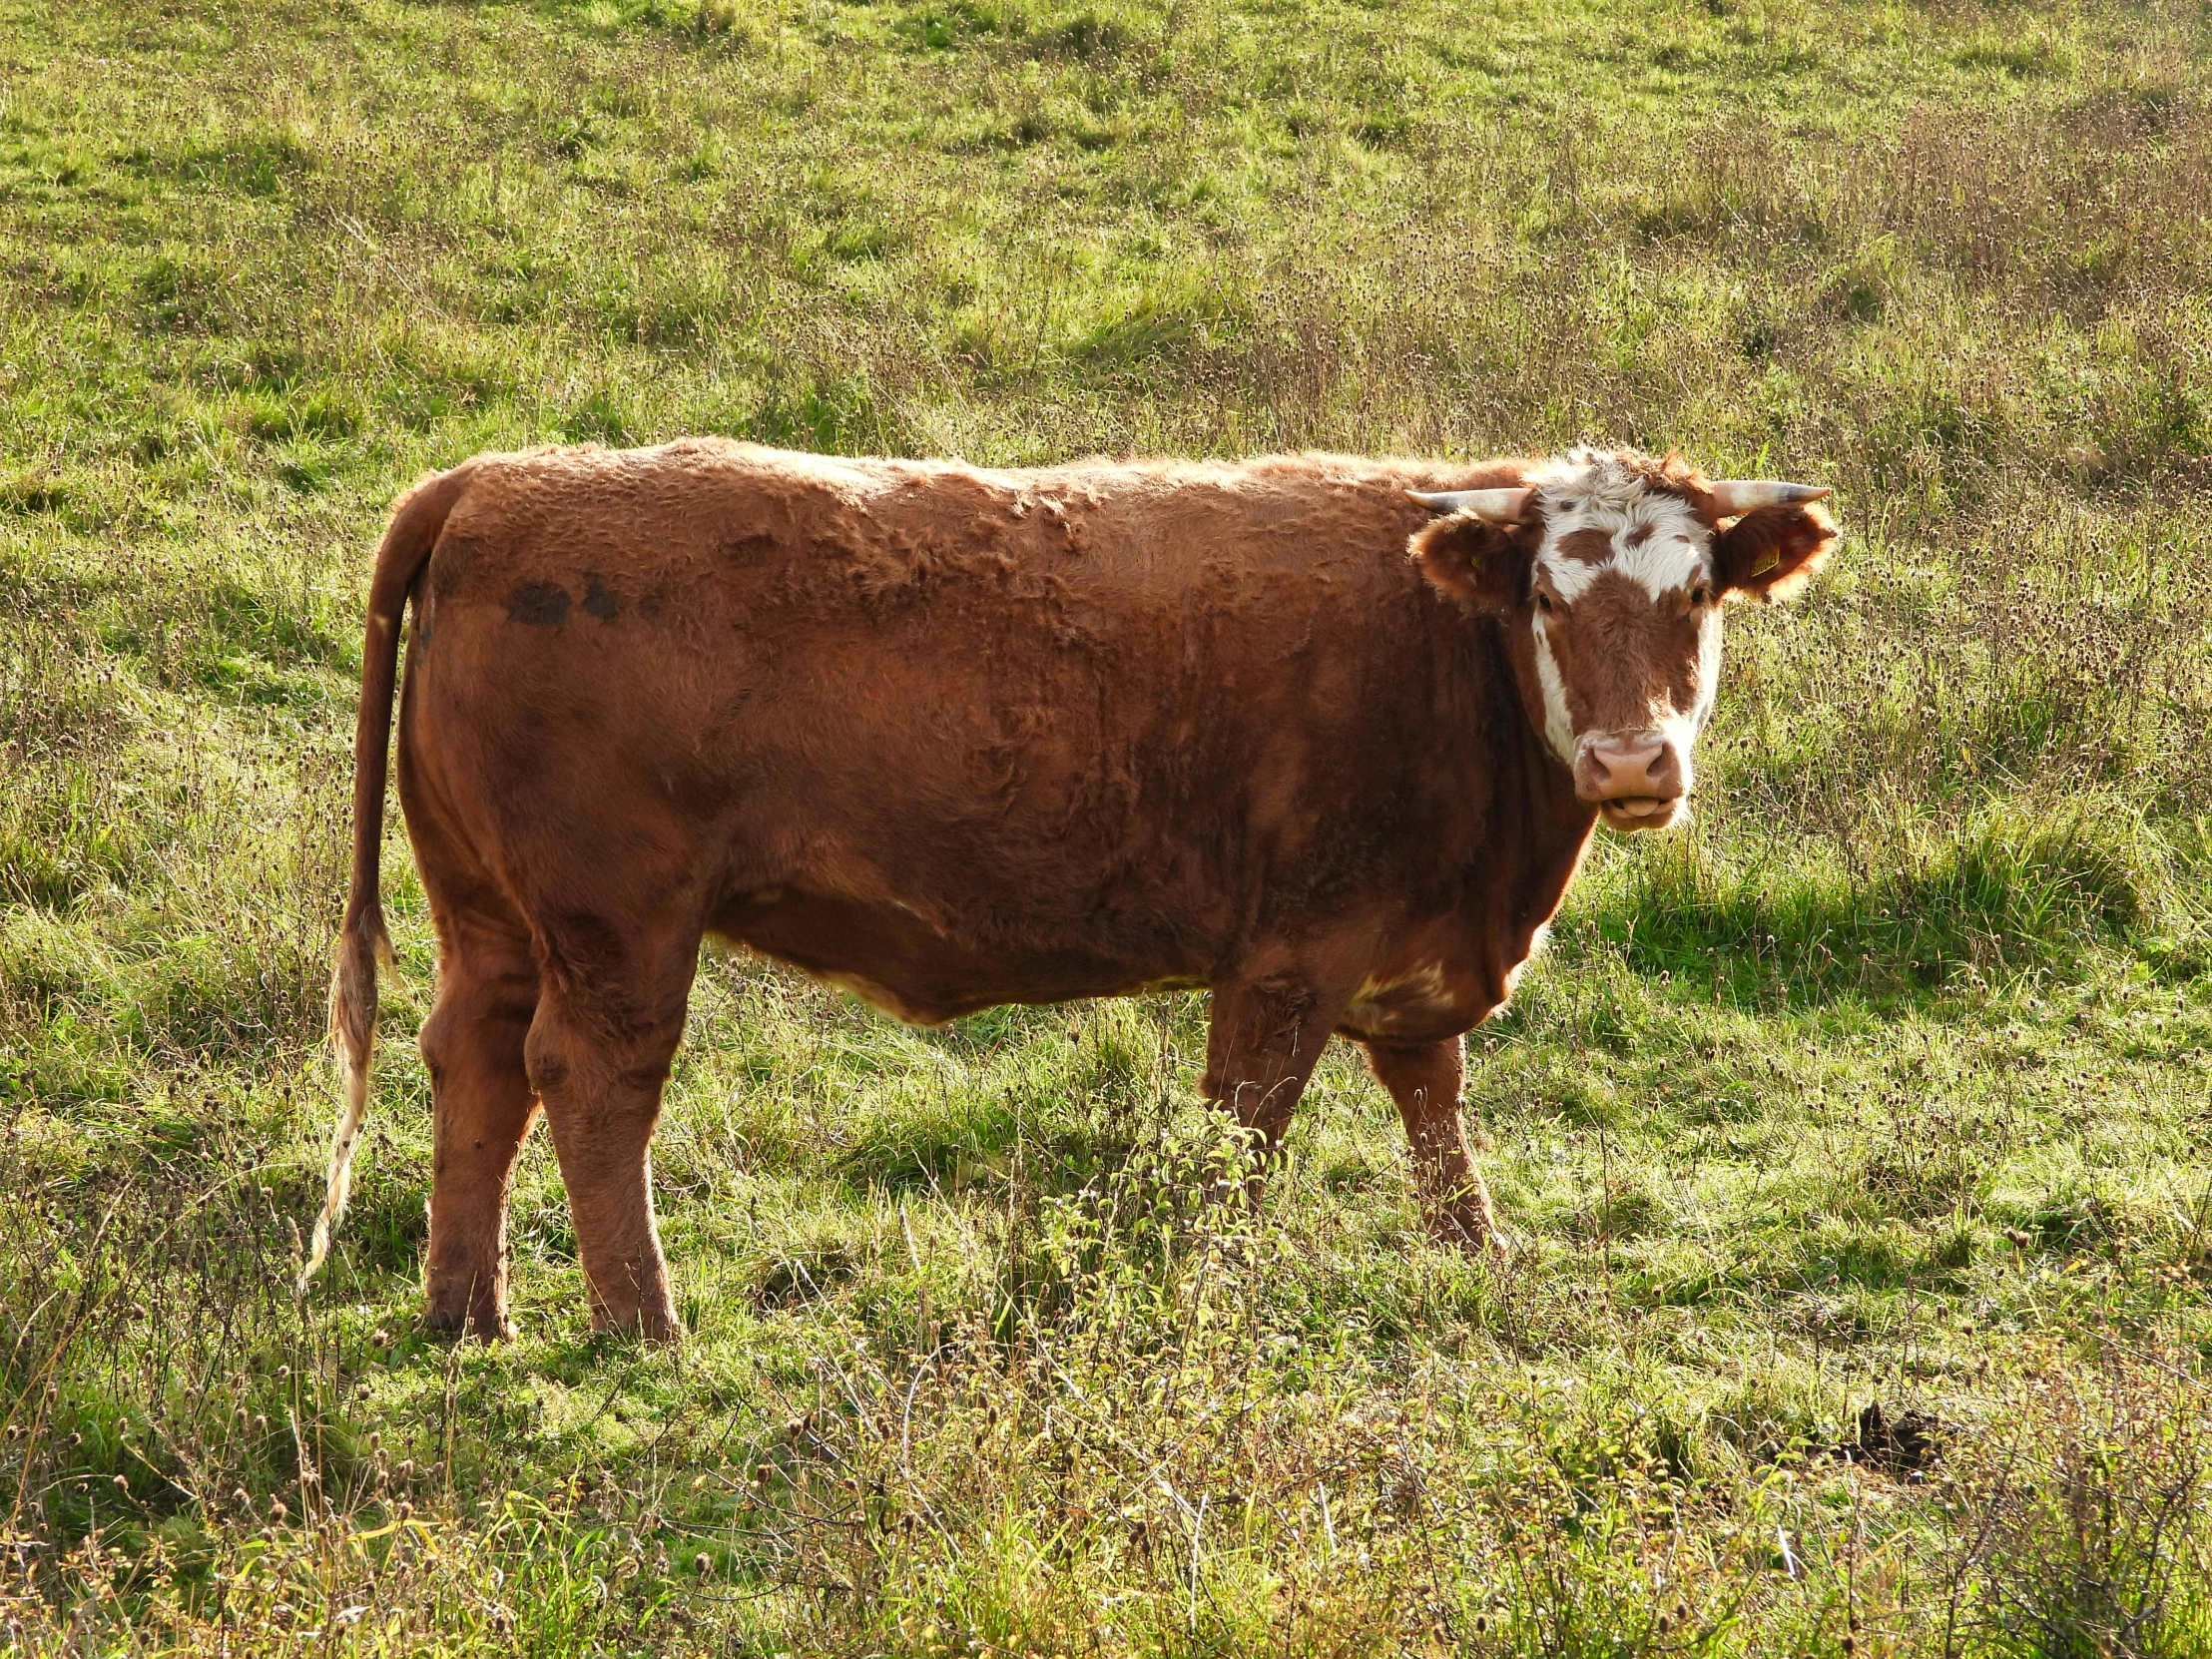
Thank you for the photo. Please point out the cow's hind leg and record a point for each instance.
(1424, 1079)
(599, 1051)
(482, 1110)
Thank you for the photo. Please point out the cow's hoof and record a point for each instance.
(450, 1326)
(652, 1324)
(1475, 1235)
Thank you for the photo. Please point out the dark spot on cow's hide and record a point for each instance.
(1591, 545)
(746, 549)
(599, 601)
(1638, 536)
(540, 604)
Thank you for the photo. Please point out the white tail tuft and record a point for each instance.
(363, 943)
(343, 1139)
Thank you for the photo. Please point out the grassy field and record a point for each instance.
(1883, 1088)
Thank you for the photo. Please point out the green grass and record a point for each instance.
(1888, 1080)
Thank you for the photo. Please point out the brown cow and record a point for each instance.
(952, 738)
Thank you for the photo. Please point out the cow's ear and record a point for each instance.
(1771, 552)
(1474, 560)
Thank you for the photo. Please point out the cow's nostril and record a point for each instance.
(1635, 767)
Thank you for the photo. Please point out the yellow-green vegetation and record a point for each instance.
(1885, 1084)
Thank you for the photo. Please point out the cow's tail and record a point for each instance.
(362, 941)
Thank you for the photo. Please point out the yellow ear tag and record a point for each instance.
(1767, 561)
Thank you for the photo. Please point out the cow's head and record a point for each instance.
(1608, 570)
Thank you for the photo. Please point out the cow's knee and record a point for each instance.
(439, 1043)
(601, 1055)
(548, 1057)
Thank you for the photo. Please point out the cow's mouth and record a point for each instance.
(1631, 813)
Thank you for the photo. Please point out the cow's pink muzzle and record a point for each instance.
(1635, 779)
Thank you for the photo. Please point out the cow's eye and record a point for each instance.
(1543, 600)
(1700, 597)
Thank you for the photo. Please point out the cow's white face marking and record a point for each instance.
(1600, 515)
(1589, 500)
(1666, 556)
(1558, 723)
(1708, 671)
(1681, 730)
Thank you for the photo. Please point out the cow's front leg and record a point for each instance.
(1424, 1079)
(1261, 1045)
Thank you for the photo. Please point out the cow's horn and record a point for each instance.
(1498, 506)
(1733, 496)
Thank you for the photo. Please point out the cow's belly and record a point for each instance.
(890, 959)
